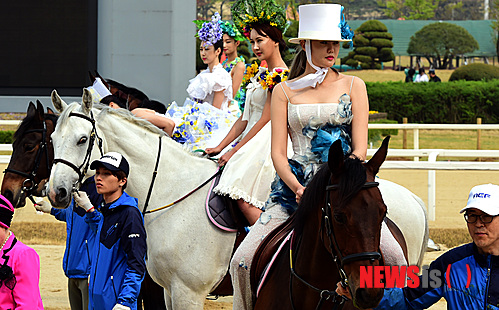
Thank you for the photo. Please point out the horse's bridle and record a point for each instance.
(86, 161)
(29, 184)
(335, 252)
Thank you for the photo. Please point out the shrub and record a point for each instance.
(475, 72)
(6, 136)
(458, 102)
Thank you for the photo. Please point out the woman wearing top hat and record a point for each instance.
(315, 99)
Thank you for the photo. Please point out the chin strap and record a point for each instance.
(312, 79)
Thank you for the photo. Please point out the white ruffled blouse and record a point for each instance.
(203, 86)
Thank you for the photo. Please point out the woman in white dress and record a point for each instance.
(249, 172)
(316, 101)
(204, 119)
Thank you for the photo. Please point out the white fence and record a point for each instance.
(432, 164)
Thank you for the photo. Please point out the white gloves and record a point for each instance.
(82, 200)
(120, 307)
(43, 206)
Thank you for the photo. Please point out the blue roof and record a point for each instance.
(402, 30)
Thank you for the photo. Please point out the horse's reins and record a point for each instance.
(29, 183)
(88, 155)
(219, 171)
(339, 259)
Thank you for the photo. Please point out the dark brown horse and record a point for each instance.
(336, 229)
(32, 156)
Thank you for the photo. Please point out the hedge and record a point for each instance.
(458, 102)
(6, 137)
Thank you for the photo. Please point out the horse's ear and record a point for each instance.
(57, 102)
(31, 109)
(92, 77)
(39, 110)
(379, 157)
(50, 111)
(86, 105)
(102, 79)
(335, 158)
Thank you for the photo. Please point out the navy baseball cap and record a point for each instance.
(112, 161)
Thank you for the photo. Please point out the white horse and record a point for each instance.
(187, 255)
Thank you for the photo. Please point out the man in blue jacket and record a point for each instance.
(119, 258)
(468, 275)
(80, 241)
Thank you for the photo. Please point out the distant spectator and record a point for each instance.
(433, 76)
(409, 77)
(19, 267)
(421, 77)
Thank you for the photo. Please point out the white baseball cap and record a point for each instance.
(112, 161)
(484, 198)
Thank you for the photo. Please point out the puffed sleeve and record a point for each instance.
(207, 82)
(27, 271)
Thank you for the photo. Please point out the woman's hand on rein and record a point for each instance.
(212, 151)
(299, 193)
(225, 157)
(343, 291)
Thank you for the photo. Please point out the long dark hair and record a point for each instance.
(299, 64)
(271, 32)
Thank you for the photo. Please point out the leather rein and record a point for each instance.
(335, 252)
(30, 184)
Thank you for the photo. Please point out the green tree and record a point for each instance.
(373, 45)
(409, 9)
(440, 42)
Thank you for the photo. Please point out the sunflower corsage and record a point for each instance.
(269, 80)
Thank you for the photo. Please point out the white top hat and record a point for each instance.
(484, 198)
(320, 22)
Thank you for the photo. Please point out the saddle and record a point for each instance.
(272, 244)
(225, 215)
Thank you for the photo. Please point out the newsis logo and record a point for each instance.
(395, 276)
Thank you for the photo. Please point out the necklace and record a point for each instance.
(5, 241)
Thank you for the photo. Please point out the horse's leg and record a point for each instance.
(183, 297)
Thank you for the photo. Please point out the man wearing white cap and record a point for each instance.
(468, 275)
(118, 261)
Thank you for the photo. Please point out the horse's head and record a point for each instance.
(73, 142)
(32, 156)
(352, 219)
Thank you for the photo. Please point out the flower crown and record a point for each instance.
(210, 31)
(231, 31)
(247, 13)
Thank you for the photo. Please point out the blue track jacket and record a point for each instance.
(80, 239)
(119, 257)
(482, 292)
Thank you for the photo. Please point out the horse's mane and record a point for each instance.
(351, 181)
(126, 116)
(26, 124)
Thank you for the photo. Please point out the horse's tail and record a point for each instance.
(424, 245)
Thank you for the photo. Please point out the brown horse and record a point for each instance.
(336, 229)
(33, 154)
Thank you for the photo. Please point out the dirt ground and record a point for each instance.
(452, 192)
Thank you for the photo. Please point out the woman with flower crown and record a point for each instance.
(205, 118)
(248, 172)
(315, 105)
(234, 64)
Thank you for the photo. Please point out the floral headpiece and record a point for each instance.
(346, 32)
(210, 31)
(231, 30)
(247, 13)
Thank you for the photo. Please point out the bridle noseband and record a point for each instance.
(86, 161)
(30, 184)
